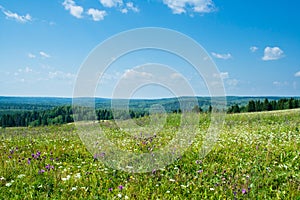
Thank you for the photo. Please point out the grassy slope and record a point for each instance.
(256, 157)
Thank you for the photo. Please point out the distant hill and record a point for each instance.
(16, 104)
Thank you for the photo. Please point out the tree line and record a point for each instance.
(63, 115)
(67, 114)
(266, 105)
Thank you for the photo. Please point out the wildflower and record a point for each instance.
(172, 180)
(212, 189)
(28, 161)
(168, 191)
(126, 197)
(21, 176)
(67, 178)
(41, 171)
(200, 171)
(110, 189)
(121, 187)
(2, 178)
(198, 162)
(244, 191)
(74, 188)
(8, 184)
(119, 195)
(153, 171)
(78, 176)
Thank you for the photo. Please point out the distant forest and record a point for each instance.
(64, 114)
(266, 105)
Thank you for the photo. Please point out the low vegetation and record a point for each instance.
(256, 157)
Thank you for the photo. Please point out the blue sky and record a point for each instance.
(255, 44)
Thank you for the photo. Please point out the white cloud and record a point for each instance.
(222, 56)
(97, 15)
(30, 55)
(111, 3)
(15, 16)
(297, 74)
(61, 75)
(197, 6)
(253, 49)
(232, 82)
(133, 74)
(131, 6)
(280, 84)
(272, 53)
(27, 70)
(44, 55)
(222, 75)
(75, 10)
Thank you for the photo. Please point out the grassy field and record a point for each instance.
(256, 157)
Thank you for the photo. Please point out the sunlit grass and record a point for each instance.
(256, 157)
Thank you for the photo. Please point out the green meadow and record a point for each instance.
(257, 156)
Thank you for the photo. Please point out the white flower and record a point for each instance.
(126, 197)
(21, 176)
(172, 180)
(74, 188)
(119, 195)
(78, 176)
(2, 178)
(67, 178)
(8, 184)
(212, 189)
(168, 191)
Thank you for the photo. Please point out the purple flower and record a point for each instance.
(110, 189)
(200, 171)
(9, 157)
(234, 193)
(32, 155)
(28, 161)
(121, 187)
(41, 171)
(153, 171)
(244, 191)
(11, 151)
(95, 156)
